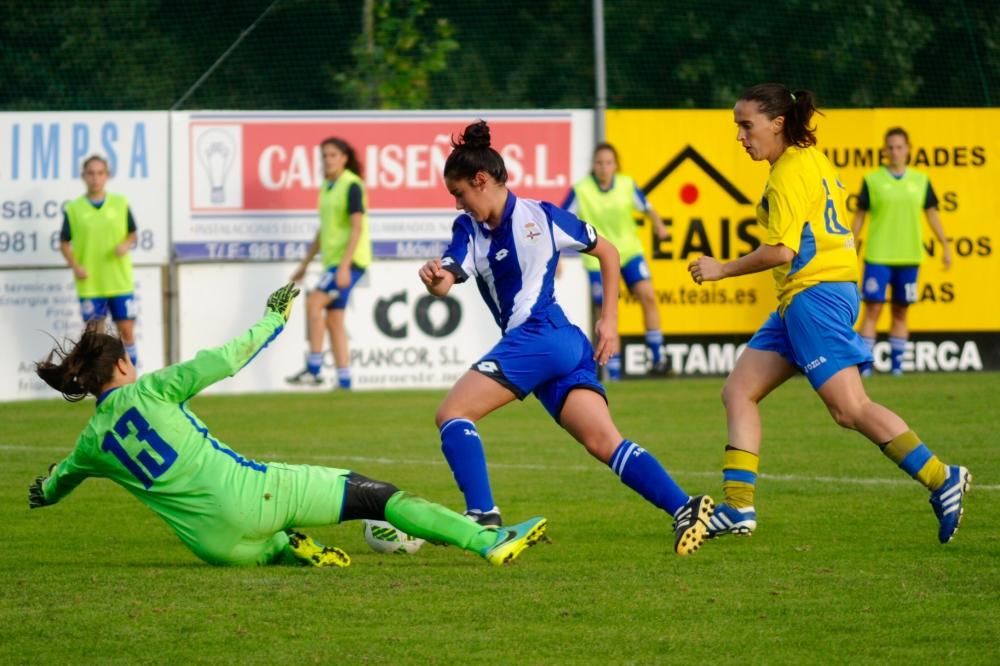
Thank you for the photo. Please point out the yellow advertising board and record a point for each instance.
(703, 184)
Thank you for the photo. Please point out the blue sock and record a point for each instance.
(869, 342)
(344, 378)
(464, 452)
(615, 367)
(654, 340)
(133, 353)
(314, 362)
(644, 474)
(898, 346)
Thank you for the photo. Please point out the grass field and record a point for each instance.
(844, 568)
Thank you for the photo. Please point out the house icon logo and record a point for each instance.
(720, 224)
(689, 193)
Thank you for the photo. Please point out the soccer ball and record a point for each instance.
(384, 538)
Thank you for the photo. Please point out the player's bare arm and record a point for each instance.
(436, 279)
(606, 328)
(710, 269)
(300, 272)
(79, 272)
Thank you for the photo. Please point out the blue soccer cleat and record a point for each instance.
(947, 501)
(513, 539)
(727, 519)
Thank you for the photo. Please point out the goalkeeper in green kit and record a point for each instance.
(227, 509)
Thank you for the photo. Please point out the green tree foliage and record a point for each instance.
(479, 54)
(394, 56)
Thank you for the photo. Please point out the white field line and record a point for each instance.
(339, 461)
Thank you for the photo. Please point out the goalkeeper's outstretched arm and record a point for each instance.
(184, 380)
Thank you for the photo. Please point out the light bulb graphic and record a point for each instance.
(216, 152)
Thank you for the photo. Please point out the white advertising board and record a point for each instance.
(37, 304)
(40, 159)
(245, 185)
(399, 336)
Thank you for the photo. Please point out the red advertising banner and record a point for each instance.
(246, 165)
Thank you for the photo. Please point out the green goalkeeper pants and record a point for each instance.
(248, 523)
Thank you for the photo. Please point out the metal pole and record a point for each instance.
(600, 74)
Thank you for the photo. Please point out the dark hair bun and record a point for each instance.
(476, 135)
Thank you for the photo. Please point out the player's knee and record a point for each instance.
(601, 448)
(366, 498)
(729, 394)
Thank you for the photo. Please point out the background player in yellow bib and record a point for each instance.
(607, 200)
(895, 196)
(229, 510)
(346, 250)
(811, 254)
(97, 236)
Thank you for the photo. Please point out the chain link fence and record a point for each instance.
(438, 54)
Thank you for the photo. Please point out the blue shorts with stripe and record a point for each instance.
(122, 307)
(328, 283)
(543, 358)
(878, 277)
(817, 334)
(633, 271)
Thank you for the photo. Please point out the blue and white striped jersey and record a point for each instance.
(515, 264)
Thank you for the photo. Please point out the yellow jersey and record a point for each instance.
(803, 209)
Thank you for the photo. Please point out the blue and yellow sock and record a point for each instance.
(914, 458)
(642, 472)
(314, 362)
(133, 353)
(654, 341)
(898, 347)
(463, 449)
(344, 378)
(739, 477)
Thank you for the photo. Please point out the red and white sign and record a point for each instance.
(275, 165)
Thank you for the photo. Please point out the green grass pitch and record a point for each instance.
(844, 568)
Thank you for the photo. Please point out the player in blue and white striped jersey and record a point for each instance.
(511, 246)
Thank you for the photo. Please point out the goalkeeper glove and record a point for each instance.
(36, 496)
(281, 300)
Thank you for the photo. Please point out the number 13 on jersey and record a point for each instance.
(145, 467)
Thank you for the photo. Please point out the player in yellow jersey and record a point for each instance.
(811, 254)
(895, 195)
(98, 233)
(346, 249)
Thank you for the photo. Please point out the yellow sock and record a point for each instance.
(914, 458)
(739, 476)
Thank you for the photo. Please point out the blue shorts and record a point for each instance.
(902, 278)
(328, 283)
(122, 307)
(817, 332)
(635, 270)
(543, 358)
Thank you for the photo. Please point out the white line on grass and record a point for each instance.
(378, 460)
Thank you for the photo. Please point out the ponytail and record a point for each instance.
(797, 107)
(85, 368)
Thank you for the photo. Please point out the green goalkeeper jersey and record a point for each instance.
(145, 438)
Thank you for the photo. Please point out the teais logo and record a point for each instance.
(691, 237)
